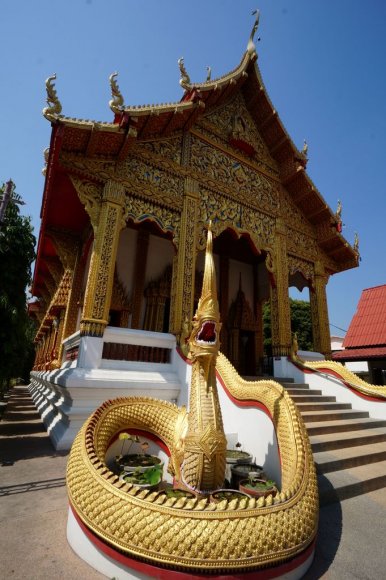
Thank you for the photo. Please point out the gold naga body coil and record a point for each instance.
(194, 534)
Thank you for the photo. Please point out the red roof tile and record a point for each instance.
(368, 326)
(360, 353)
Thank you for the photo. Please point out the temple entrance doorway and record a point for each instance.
(144, 268)
(243, 287)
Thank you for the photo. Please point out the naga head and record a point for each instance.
(205, 336)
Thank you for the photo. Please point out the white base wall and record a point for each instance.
(330, 386)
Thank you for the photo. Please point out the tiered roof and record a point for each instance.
(61, 207)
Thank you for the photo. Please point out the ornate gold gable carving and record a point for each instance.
(227, 213)
(231, 123)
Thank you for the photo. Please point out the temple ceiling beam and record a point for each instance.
(292, 176)
(92, 141)
(194, 115)
(130, 140)
(278, 145)
(268, 120)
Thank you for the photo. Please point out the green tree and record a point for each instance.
(300, 323)
(17, 253)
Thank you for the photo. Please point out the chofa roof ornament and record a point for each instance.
(251, 48)
(116, 104)
(185, 79)
(52, 112)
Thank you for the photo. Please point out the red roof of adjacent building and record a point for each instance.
(368, 326)
(360, 353)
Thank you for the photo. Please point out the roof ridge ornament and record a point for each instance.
(251, 48)
(117, 103)
(209, 73)
(184, 80)
(52, 112)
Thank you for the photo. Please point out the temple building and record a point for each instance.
(125, 207)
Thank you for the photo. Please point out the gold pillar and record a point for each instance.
(57, 349)
(319, 312)
(184, 264)
(139, 276)
(101, 273)
(71, 314)
(280, 307)
(68, 250)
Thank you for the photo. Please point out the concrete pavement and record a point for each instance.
(33, 513)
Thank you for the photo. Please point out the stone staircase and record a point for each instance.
(349, 448)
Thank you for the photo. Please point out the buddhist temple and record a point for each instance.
(120, 254)
(164, 232)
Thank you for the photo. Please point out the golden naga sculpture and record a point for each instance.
(117, 103)
(192, 533)
(54, 109)
(185, 79)
(348, 377)
(205, 443)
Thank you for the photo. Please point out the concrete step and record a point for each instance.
(328, 415)
(343, 426)
(330, 441)
(338, 459)
(306, 398)
(322, 406)
(298, 391)
(339, 485)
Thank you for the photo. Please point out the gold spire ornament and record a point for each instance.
(356, 243)
(116, 103)
(185, 79)
(251, 48)
(54, 109)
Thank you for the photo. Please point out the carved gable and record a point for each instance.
(233, 124)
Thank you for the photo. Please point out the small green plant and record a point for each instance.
(151, 476)
(127, 437)
(260, 484)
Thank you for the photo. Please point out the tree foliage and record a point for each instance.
(17, 253)
(300, 323)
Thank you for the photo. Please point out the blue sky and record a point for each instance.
(322, 61)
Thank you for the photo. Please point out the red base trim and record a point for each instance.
(167, 574)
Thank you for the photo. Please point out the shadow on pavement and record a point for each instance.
(17, 448)
(329, 534)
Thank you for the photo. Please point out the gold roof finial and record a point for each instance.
(184, 80)
(116, 103)
(338, 213)
(52, 112)
(251, 48)
(356, 243)
(46, 154)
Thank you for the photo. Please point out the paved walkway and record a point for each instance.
(33, 513)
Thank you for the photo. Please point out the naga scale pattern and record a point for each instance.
(195, 534)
